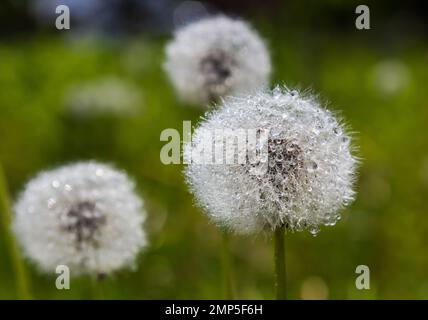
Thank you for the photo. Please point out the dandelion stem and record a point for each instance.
(280, 274)
(97, 288)
(229, 292)
(22, 282)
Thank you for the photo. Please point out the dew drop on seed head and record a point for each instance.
(314, 231)
(51, 202)
(276, 92)
(290, 147)
(55, 184)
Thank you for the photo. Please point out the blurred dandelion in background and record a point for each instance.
(106, 95)
(85, 216)
(390, 76)
(215, 57)
(189, 11)
(110, 19)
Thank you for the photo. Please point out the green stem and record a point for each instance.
(97, 288)
(229, 292)
(280, 274)
(22, 283)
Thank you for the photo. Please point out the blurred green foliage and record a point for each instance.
(386, 228)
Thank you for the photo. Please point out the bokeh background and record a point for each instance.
(113, 56)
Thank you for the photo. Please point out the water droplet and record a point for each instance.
(55, 184)
(314, 231)
(290, 148)
(51, 202)
(276, 93)
(331, 221)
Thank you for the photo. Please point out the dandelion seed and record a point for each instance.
(307, 178)
(216, 57)
(86, 216)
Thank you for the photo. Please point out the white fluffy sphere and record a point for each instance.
(85, 216)
(215, 57)
(307, 176)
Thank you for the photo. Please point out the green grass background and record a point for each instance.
(386, 228)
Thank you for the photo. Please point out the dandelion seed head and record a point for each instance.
(306, 179)
(85, 215)
(216, 57)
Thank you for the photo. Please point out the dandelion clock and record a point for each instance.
(303, 182)
(86, 216)
(216, 57)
